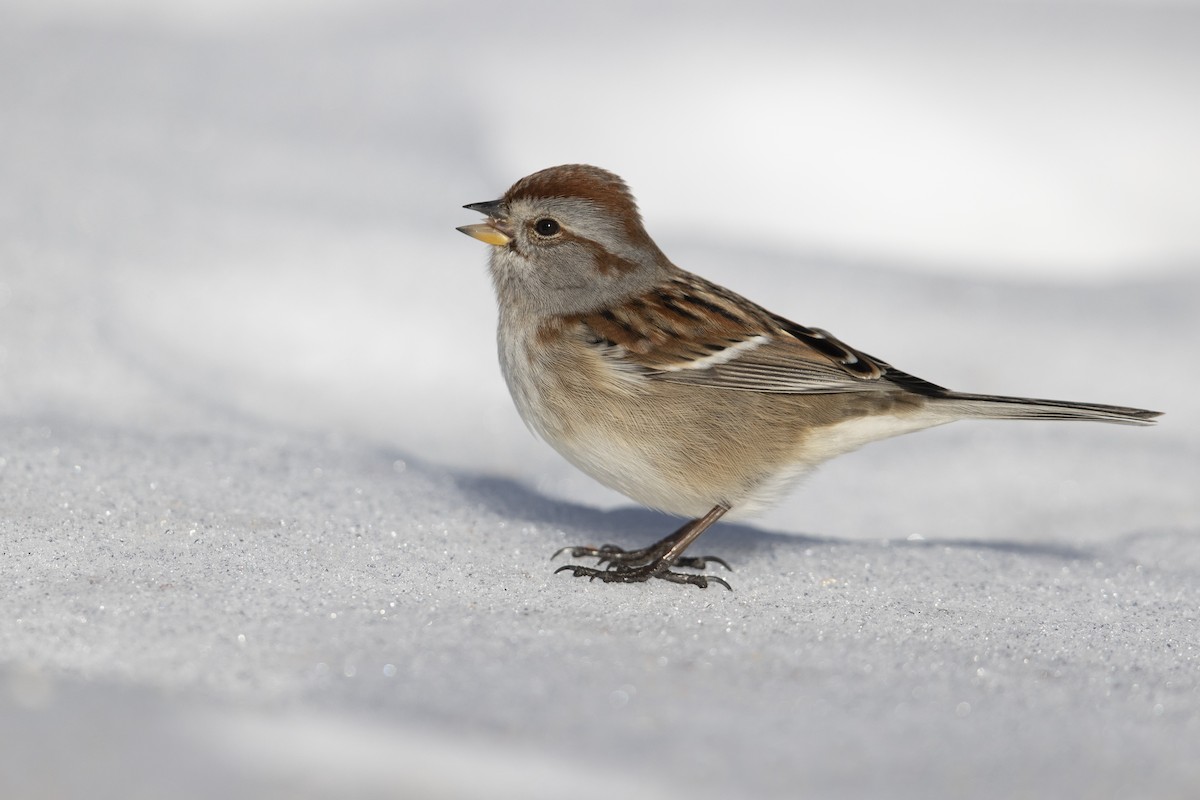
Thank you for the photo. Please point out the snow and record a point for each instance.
(270, 527)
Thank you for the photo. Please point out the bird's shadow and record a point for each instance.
(630, 527)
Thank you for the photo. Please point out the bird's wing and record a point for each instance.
(688, 330)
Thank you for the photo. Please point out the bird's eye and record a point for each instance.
(546, 227)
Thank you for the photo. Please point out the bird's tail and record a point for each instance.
(987, 406)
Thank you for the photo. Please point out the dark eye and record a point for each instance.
(546, 227)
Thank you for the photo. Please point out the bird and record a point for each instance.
(677, 392)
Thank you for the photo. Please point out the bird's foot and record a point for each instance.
(612, 557)
(622, 573)
(617, 565)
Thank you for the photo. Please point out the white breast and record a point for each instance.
(626, 464)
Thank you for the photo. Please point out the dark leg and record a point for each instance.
(655, 561)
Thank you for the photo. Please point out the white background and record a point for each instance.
(267, 514)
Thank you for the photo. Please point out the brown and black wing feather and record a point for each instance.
(691, 331)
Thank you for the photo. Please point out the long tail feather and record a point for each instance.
(985, 406)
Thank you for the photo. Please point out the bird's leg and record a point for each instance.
(616, 557)
(655, 561)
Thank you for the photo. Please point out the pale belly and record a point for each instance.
(681, 448)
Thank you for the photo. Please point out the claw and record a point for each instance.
(617, 565)
(700, 581)
(615, 557)
(700, 562)
(621, 574)
(576, 551)
(586, 551)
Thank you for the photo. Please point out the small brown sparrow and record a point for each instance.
(681, 394)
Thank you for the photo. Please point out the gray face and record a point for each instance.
(569, 255)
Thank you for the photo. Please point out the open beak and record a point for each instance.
(495, 231)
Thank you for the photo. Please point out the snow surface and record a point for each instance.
(270, 527)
